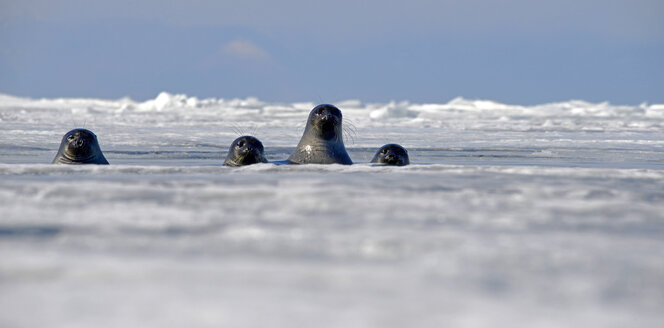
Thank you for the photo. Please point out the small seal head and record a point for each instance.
(245, 150)
(322, 141)
(79, 146)
(391, 154)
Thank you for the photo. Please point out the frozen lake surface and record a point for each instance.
(510, 216)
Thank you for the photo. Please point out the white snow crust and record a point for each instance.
(510, 216)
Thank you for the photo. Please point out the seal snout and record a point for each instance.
(326, 115)
(391, 158)
(77, 142)
(77, 139)
(79, 145)
(329, 118)
(249, 151)
(328, 121)
(249, 147)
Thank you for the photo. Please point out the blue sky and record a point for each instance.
(513, 51)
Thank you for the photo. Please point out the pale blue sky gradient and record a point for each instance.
(518, 51)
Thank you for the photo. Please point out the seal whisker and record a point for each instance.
(237, 129)
(256, 130)
(349, 122)
(350, 131)
(351, 128)
(300, 127)
(351, 125)
(348, 136)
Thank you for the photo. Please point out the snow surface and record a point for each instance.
(510, 216)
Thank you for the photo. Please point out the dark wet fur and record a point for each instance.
(79, 146)
(391, 154)
(245, 150)
(322, 140)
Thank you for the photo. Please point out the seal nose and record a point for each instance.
(329, 118)
(246, 150)
(392, 158)
(78, 142)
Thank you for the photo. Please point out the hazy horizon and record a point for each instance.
(424, 51)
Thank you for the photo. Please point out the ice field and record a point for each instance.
(509, 216)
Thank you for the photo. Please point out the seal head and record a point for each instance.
(245, 150)
(79, 146)
(391, 154)
(322, 141)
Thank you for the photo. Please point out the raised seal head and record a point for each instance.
(322, 141)
(245, 150)
(79, 146)
(391, 154)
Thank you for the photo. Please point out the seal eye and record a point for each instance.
(240, 143)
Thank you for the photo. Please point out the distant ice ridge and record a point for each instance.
(167, 101)
(404, 109)
(178, 120)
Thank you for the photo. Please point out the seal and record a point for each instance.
(79, 146)
(391, 154)
(245, 150)
(322, 141)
